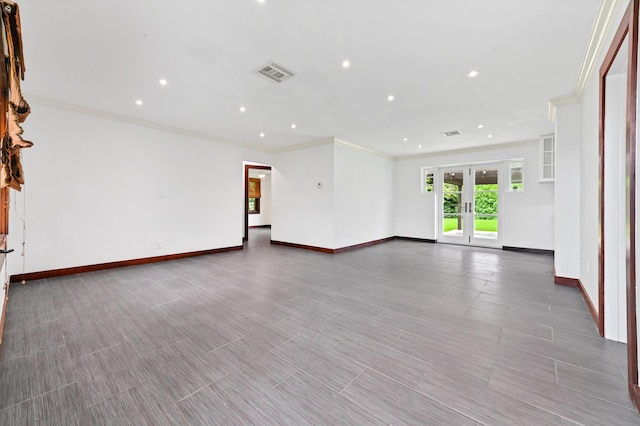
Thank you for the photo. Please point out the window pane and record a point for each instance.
(452, 223)
(452, 203)
(485, 226)
(428, 182)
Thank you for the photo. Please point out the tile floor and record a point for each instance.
(398, 333)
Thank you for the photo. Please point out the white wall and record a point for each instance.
(264, 218)
(567, 192)
(353, 206)
(302, 213)
(101, 191)
(589, 177)
(363, 196)
(578, 155)
(527, 216)
(589, 174)
(615, 206)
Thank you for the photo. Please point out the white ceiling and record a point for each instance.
(104, 55)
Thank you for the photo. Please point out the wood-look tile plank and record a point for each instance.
(384, 359)
(303, 400)
(254, 360)
(29, 340)
(209, 335)
(33, 375)
(609, 387)
(366, 327)
(108, 372)
(268, 335)
(91, 337)
(62, 406)
(393, 403)
(560, 400)
(329, 367)
(232, 400)
(145, 404)
(182, 369)
(476, 400)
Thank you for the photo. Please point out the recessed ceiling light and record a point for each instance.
(346, 64)
(242, 109)
(293, 126)
(261, 1)
(390, 98)
(480, 126)
(473, 73)
(163, 82)
(419, 146)
(138, 102)
(405, 139)
(489, 136)
(262, 135)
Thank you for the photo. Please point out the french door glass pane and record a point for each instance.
(485, 204)
(453, 204)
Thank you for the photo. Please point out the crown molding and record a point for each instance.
(561, 101)
(470, 149)
(305, 145)
(142, 123)
(184, 132)
(362, 148)
(601, 29)
(599, 32)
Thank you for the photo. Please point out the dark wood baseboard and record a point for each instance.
(119, 264)
(567, 282)
(3, 317)
(302, 246)
(418, 240)
(332, 251)
(574, 282)
(634, 393)
(529, 250)
(363, 245)
(260, 226)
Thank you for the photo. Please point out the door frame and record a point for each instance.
(468, 195)
(628, 29)
(462, 240)
(248, 167)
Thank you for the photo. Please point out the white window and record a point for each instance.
(428, 184)
(547, 158)
(516, 176)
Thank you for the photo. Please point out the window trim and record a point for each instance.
(426, 171)
(519, 163)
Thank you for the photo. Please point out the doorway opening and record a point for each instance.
(469, 205)
(257, 197)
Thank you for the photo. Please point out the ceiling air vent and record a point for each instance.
(275, 72)
(452, 133)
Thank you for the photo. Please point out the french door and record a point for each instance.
(469, 210)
